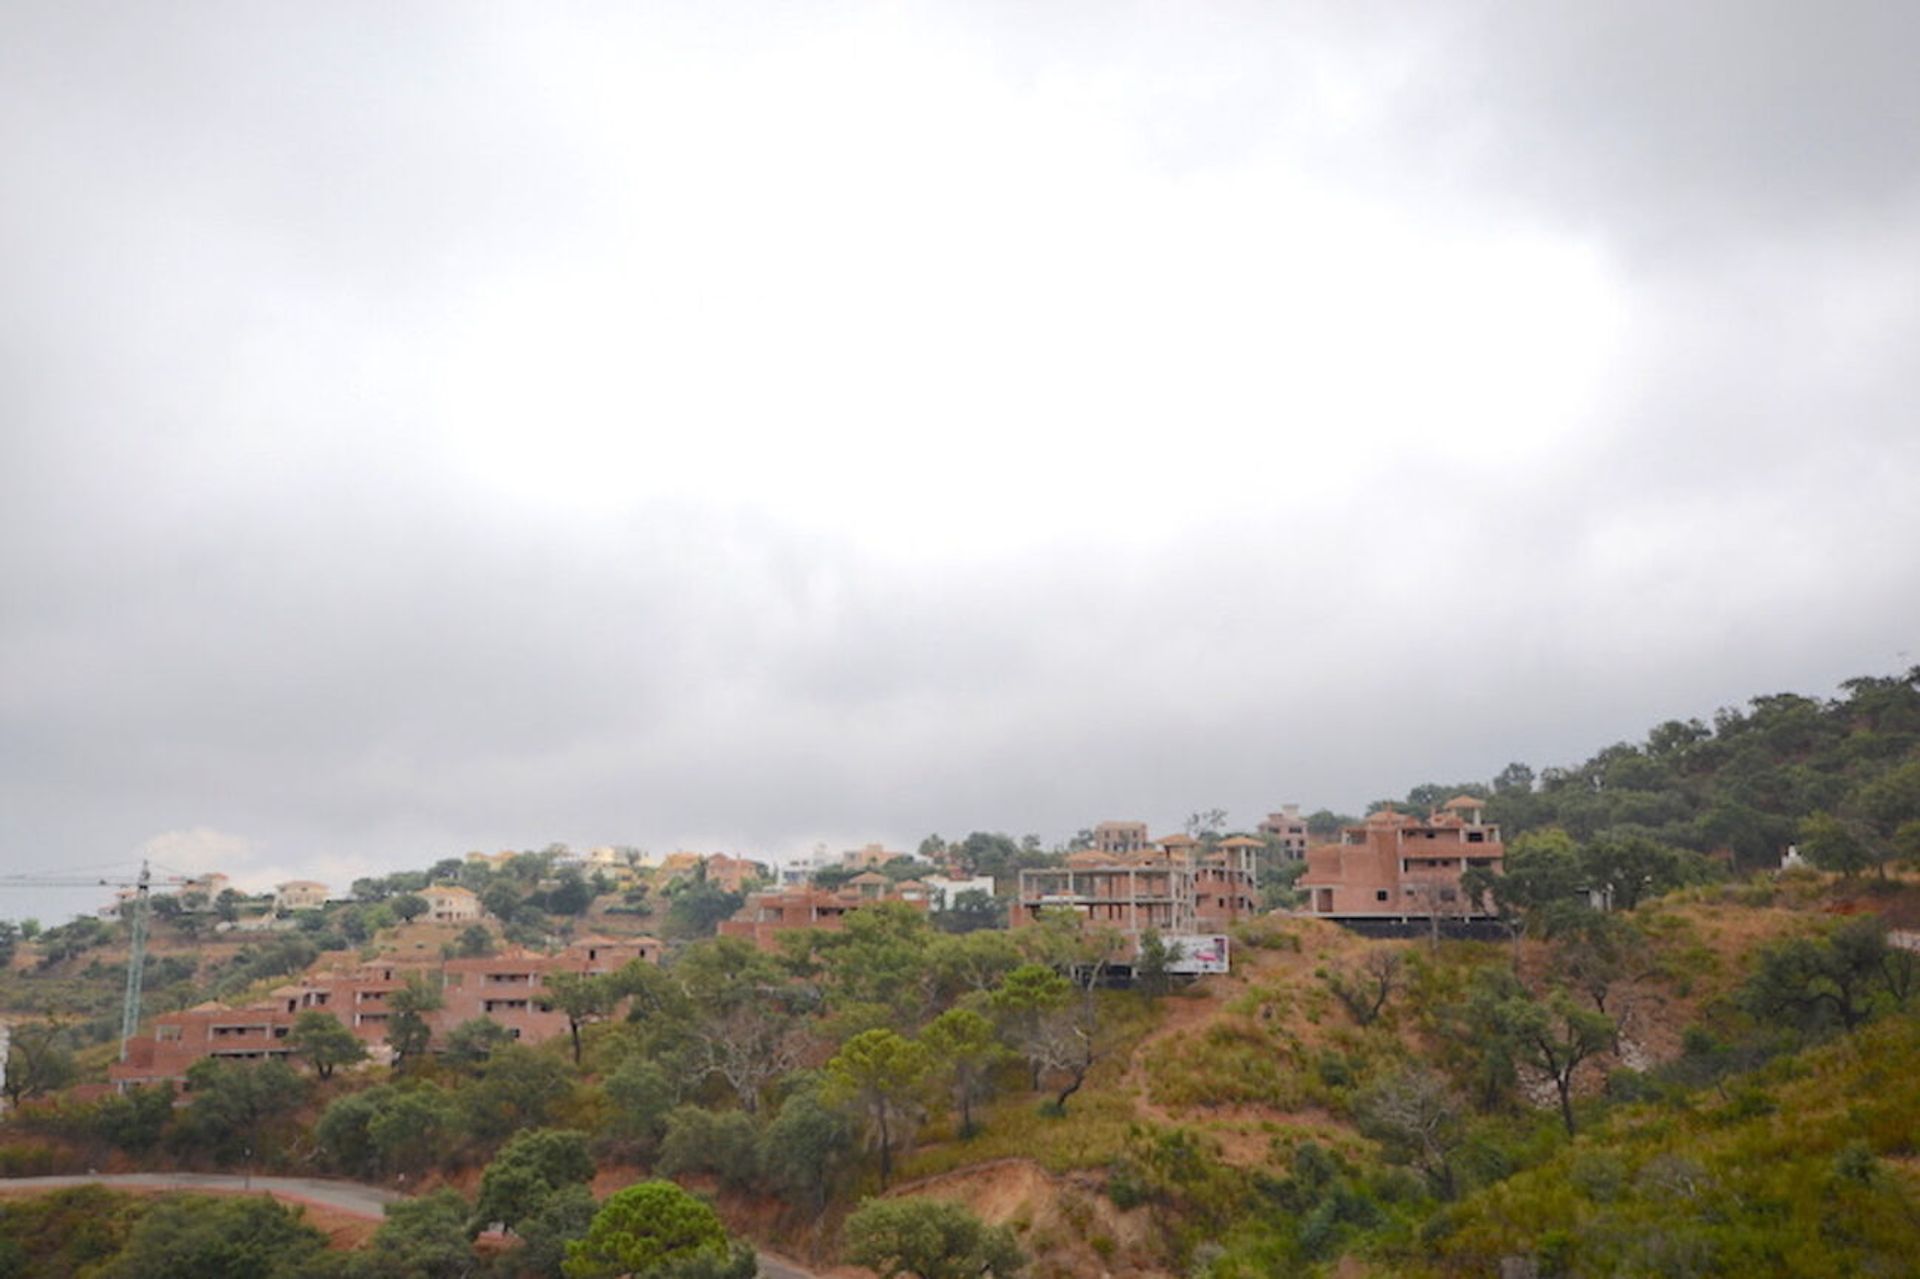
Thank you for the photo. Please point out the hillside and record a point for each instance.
(1711, 1077)
(1204, 1122)
(1744, 782)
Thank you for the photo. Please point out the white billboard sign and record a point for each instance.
(1198, 954)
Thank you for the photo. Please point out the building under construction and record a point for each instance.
(1176, 886)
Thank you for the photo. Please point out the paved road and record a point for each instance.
(342, 1196)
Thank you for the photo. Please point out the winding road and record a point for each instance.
(341, 1196)
(350, 1197)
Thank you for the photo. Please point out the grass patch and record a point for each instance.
(1092, 1134)
(1800, 1168)
(1228, 1063)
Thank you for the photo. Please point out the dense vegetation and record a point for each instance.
(1786, 769)
(1658, 1069)
(104, 1235)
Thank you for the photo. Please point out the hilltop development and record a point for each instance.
(1650, 1014)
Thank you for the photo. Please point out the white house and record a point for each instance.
(941, 891)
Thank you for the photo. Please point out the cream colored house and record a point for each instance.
(451, 904)
(299, 894)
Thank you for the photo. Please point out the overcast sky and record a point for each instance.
(430, 428)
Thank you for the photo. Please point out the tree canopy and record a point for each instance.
(650, 1230)
(929, 1239)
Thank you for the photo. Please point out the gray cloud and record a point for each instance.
(435, 430)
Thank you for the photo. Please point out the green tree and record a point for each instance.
(1156, 957)
(570, 895)
(324, 1042)
(929, 1239)
(530, 1167)
(833, 878)
(408, 1033)
(409, 906)
(1539, 887)
(805, 1151)
(565, 1215)
(697, 907)
(238, 1106)
(743, 1015)
(388, 1129)
(1515, 778)
(883, 1076)
(197, 1237)
(134, 1121)
(965, 1049)
(530, 867)
(1891, 805)
(1600, 954)
(227, 905)
(64, 1232)
(476, 1040)
(878, 957)
(1631, 868)
(1365, 987)
(967, 964)
(474, 941)
(501, 900)
(1473, 1037)
(649, 1229)
(1832, 844)
(1813, 984)
(971, 911)
(37, 1061)
(412, 1128)
(353, 923)
(518, 1087)
(724, 1143)
(341, 1132)
(1025, 1003)
(421, 1238)
(1055, 1022)
(582, 998)
(642, 1094)
(1324, 823)
(1555, 1037)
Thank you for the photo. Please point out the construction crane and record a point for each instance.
(136, 916)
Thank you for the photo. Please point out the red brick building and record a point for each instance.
(1393, 866)
(504, 987)
(507, 987)
(1288, 829)
(766, 915)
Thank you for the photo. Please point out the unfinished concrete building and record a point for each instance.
(1178, 886)
(1393, 866)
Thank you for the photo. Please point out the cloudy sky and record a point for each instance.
(426, 428)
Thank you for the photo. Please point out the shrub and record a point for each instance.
(726, 1145)
(929, 1239)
